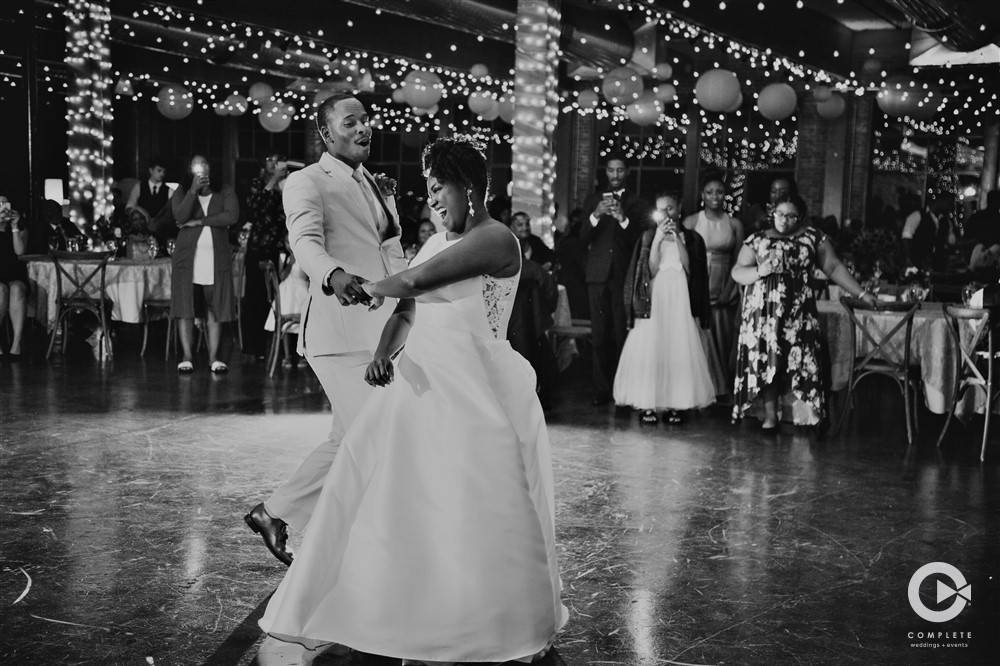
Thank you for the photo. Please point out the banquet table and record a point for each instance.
(129, 282)
(931, 347)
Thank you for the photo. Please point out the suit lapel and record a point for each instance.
(352, 193)
(390, 220)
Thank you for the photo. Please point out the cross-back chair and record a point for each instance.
(886, 356)
(72, 294)
(285, 324)
(977, 359)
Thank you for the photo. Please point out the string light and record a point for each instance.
(89, 111)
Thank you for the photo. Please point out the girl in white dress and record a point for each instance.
(433, 539)
(663, 365)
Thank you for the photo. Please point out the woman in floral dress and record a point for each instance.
(778, 345)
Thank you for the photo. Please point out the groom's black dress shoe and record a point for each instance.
(274, 531)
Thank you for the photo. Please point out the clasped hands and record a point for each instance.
(352, 289)
(609, 206)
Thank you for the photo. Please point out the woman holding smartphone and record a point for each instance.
(13, 274)
(202, 275)
(663, 367)
(778, 347)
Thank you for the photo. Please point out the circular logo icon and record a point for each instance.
(960, 589)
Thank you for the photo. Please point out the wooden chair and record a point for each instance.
(284, 324)
(977, 352)
(239, 285)
(882, 359)
(150, 306)
(79, 300)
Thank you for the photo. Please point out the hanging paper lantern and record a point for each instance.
(587, 99)
(365, 82)
(506, 109)
(831, 108)
(646, 110)
(237, 104)
(275, 115)
(260, 92)
(124, 87)
(493, 112)
(480, 102)
(872, 66)
(323, 94)
(717, 90)
(622, 86)
(736, 105)
(822, 93)
(663, 71)
(777, 101)
(898, 96)
(220, 109)
(422, 89)
(665, 92)
(399, 96)
(174, 102)
(479, 70)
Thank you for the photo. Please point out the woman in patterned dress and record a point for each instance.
(778, 345)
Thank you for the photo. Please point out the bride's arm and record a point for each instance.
(380, 371)
(485, 252)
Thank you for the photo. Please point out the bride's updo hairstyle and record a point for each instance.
(458, 159)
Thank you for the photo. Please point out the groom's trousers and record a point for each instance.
(343, 379)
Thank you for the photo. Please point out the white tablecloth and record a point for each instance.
(129, 282)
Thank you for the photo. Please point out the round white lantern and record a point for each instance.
(260, 92)
(622, 86)
(717, 90)
(174, 102)
(646, 110)
(831, 108)
(777, 101)
(422, 89)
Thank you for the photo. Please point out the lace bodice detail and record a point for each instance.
(496, 294)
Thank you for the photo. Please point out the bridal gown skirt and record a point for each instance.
(663, 364)
(433, 538)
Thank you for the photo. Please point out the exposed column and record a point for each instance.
(536, 105)
(991, 160)
(859, 146)
(89, 109)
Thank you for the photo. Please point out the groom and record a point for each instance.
(342, 231)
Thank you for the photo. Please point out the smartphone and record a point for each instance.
(609, 196)
(199, 170)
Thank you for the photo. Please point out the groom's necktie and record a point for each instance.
(369, 197)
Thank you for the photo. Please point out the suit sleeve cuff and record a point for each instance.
(327, 289)
(593, 220)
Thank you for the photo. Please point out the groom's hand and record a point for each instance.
(379, 372)
(347, 288)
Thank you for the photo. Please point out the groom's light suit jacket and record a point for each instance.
(330, 225)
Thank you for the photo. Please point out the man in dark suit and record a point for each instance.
(927, 235)
(616, 221)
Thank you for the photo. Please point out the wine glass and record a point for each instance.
(53, 242)
(112, 245)
(171, 246)
(153, 249)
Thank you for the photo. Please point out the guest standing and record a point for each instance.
(153, 196)
(723, 236)
(617, 219)
(13, 275)
(202, 272)
(779, 337)
(663, 366)
(266, 221)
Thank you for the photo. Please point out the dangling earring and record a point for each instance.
(468, 195)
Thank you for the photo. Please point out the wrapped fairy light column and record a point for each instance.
(536, 105)
(89, 110)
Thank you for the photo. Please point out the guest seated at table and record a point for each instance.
(293, 294)
(51, 230)
(202, 274)
(779, 340)
(13, 275)
(532, 247)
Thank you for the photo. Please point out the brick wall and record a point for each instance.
(810, 161)
(860, 112)
(581, 158)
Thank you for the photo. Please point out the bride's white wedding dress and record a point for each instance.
(433, 538)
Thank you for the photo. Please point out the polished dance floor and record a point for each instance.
(123, 486)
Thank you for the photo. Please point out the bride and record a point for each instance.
(433, 539)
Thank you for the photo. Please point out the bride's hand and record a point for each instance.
(376, 301)
(379, 372)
